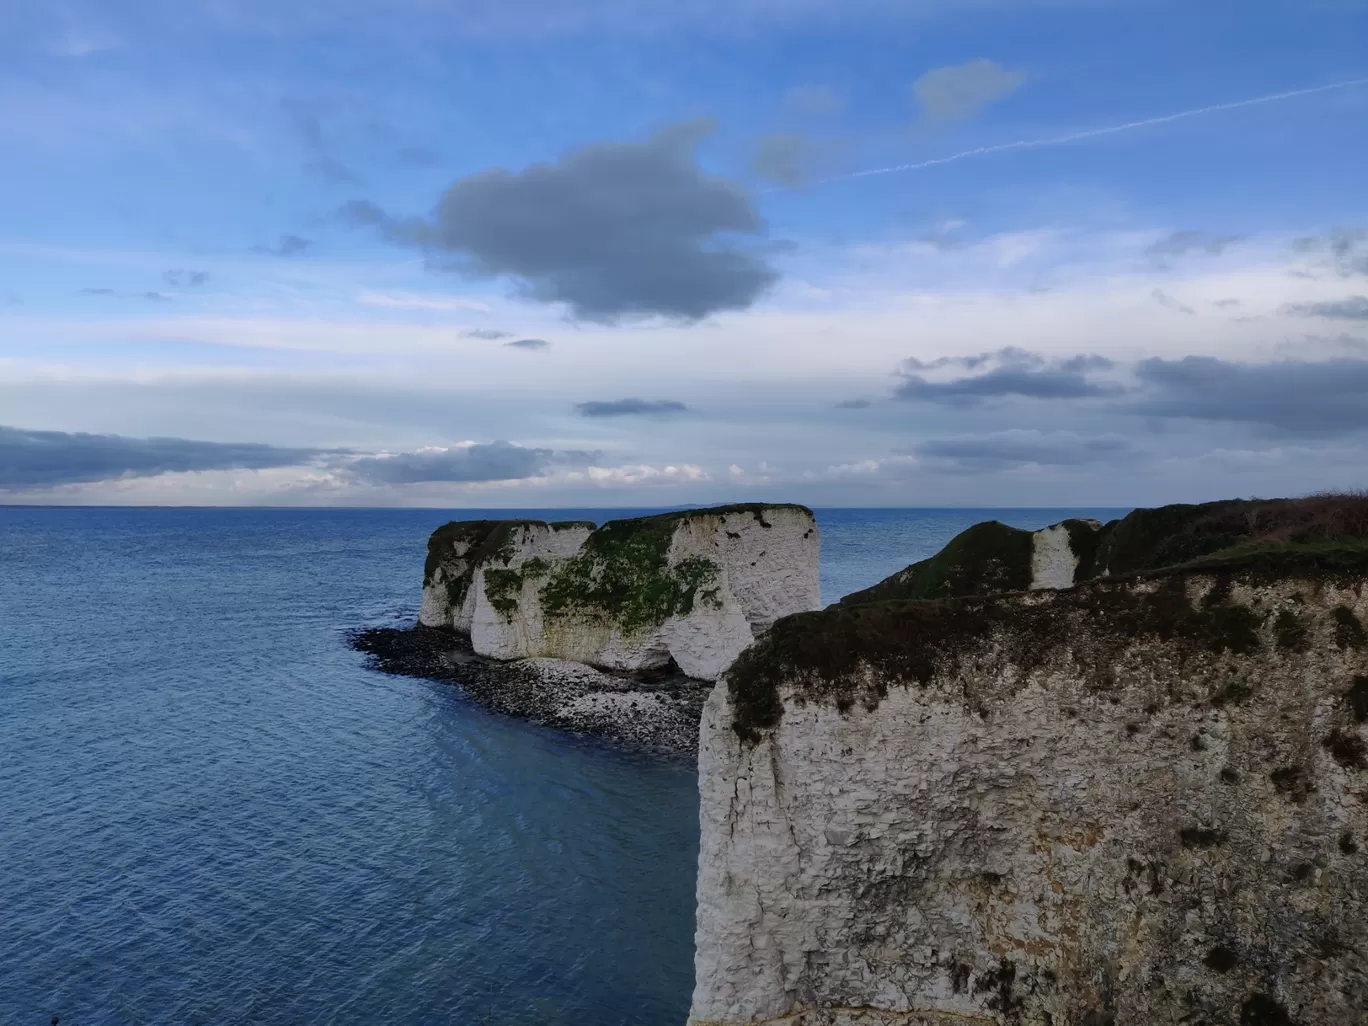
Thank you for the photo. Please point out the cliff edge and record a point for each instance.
(1140, 800)
(992, 557)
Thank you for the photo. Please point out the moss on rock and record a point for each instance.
(1292, 632)
(455, 550)
(502, 587)
(1349, 631)
(623, 573)
(1085, 539)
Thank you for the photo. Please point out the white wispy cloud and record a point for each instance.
(1095, 133)
(412, 301)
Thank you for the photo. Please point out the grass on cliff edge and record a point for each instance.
(850, 654)
(991, 558)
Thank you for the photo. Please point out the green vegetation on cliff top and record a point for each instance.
(991, 558)
(986, 558)
(847, 655)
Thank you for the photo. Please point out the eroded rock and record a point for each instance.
(1142, 800)
(691, 588)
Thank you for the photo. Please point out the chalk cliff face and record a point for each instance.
(695, 587)
(1139, 801)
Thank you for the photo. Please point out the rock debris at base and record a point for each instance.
(658, 712)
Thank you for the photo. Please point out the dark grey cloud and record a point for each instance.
(1165, 300)
(1351, 308)
(43, 459)
(492, 461)
(1302, 397)
(630, 407)
(1009, 449)
(1344, 249)
(959, 92)
(529, 343)
(178, 278)
(319, 157)
(854, 404)
(1004, 373)
(488, 334)
(1227, 302)
(289, 245)
(1183, 243)
(97, 292)
(612, 230)
(157, 297)
(782, 157)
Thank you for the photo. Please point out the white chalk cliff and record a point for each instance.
(694, 587)
(1136, 802)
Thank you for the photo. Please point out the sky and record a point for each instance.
(536, 253)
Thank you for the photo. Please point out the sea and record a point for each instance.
(213, 812)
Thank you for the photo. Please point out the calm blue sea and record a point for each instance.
(212, 812)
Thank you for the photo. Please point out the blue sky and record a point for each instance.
(296, 240)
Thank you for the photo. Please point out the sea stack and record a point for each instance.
(693, 588)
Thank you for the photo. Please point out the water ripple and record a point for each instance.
(212, 812)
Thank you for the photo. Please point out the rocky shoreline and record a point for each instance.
(653, 711)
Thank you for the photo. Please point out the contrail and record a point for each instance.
(1092, 133)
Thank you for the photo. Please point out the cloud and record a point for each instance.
(44, 459)
(289, 245)
(854, 404)
(409, 301)
(630, 407)
(1006, 372)
(1182, 243)
(185, 279)
(97, 292)
(320, 160)
(1165, 300)
(612, 230)
(488, 334)
(157, 297)
(644, 474)
(814, 100)
(1344, 249)
(1352, 308)
(1303, 397)
(529, 343)
(475, 461)
(1097, 133)
(959, 92)
(1005, 450)
(781, 157)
